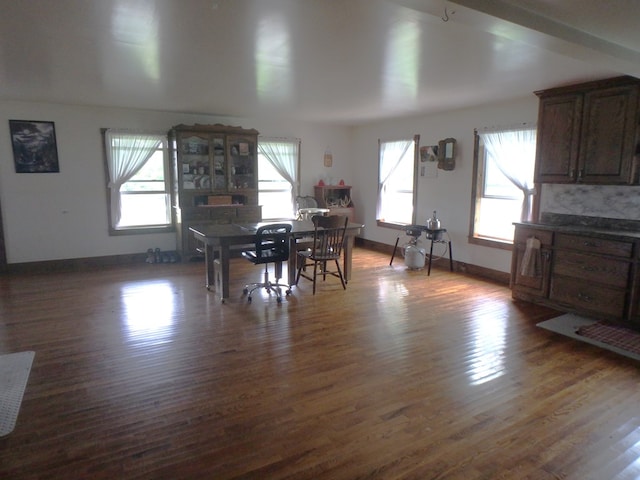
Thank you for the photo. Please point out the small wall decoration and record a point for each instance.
(429, 153)
(328, 159)
(34, 146)
(428, 158)
(447, 154)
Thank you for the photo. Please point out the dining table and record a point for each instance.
(220, 241)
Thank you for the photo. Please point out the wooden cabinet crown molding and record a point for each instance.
(215, 128)
(588, 86)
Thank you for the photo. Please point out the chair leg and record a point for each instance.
(344, 286)
(315, 275)
(268, 285)
(300, 266)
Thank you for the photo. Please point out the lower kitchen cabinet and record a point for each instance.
(634, 308)
(581, 272)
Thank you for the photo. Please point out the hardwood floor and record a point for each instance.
(141, 373)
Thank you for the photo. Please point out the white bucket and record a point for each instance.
(414, 257)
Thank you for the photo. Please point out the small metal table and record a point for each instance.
(434, 235)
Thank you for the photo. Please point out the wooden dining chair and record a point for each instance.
(326, 250)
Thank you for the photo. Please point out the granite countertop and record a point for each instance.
(590, 226)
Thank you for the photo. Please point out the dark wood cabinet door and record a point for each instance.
(634, 298)
(532, 285)
(608, 135)
(559, 122)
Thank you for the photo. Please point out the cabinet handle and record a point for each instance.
(588, 268)
(587, 243)
(580, 173)
(572, 173)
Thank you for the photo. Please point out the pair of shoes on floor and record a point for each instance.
(157, 256)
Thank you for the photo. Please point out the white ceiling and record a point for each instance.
(341, 61)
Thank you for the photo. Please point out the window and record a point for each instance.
(503, 184)
(397, 181)
(278, 170)
(139, 190)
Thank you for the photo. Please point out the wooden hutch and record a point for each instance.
(215, 179)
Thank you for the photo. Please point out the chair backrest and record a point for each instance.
(328, 237)
(306, 202)
(272, 242)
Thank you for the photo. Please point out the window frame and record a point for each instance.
(168, 181)
(477, 193)
(295, 185)
(414, 200)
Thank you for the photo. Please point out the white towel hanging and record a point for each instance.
(532, 260)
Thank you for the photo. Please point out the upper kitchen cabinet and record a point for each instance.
(588, 133)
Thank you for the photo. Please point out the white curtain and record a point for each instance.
(127, 152)
(283, 154)
(390, 156)
(513, 152)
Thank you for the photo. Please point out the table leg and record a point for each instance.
(430, 258)
(393, 255)
(450, 257)
(292, 263)
(209, 257)
(224, 271)
(348, 257)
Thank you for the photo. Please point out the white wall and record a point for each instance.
(64, 215)
(450, 193)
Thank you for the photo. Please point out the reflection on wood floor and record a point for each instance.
(141, 373)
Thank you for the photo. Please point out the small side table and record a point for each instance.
(435, 236)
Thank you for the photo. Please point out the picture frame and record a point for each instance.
(429, 153)
(34, 146)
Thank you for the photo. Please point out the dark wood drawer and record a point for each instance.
(586, 296)
(223, 214)
(524, 233)
(195, 213)
(594, 245)
(249, 213)
(582, 266)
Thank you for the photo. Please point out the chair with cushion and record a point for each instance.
(272, 246)
(307, 207)
(326, 250)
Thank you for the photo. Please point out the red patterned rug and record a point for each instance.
(614, 335)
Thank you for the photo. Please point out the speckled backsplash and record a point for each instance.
(559, 202)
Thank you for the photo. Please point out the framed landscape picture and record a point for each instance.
(34, 146)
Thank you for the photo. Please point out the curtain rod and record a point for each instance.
(275, 139)
(502, 128)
